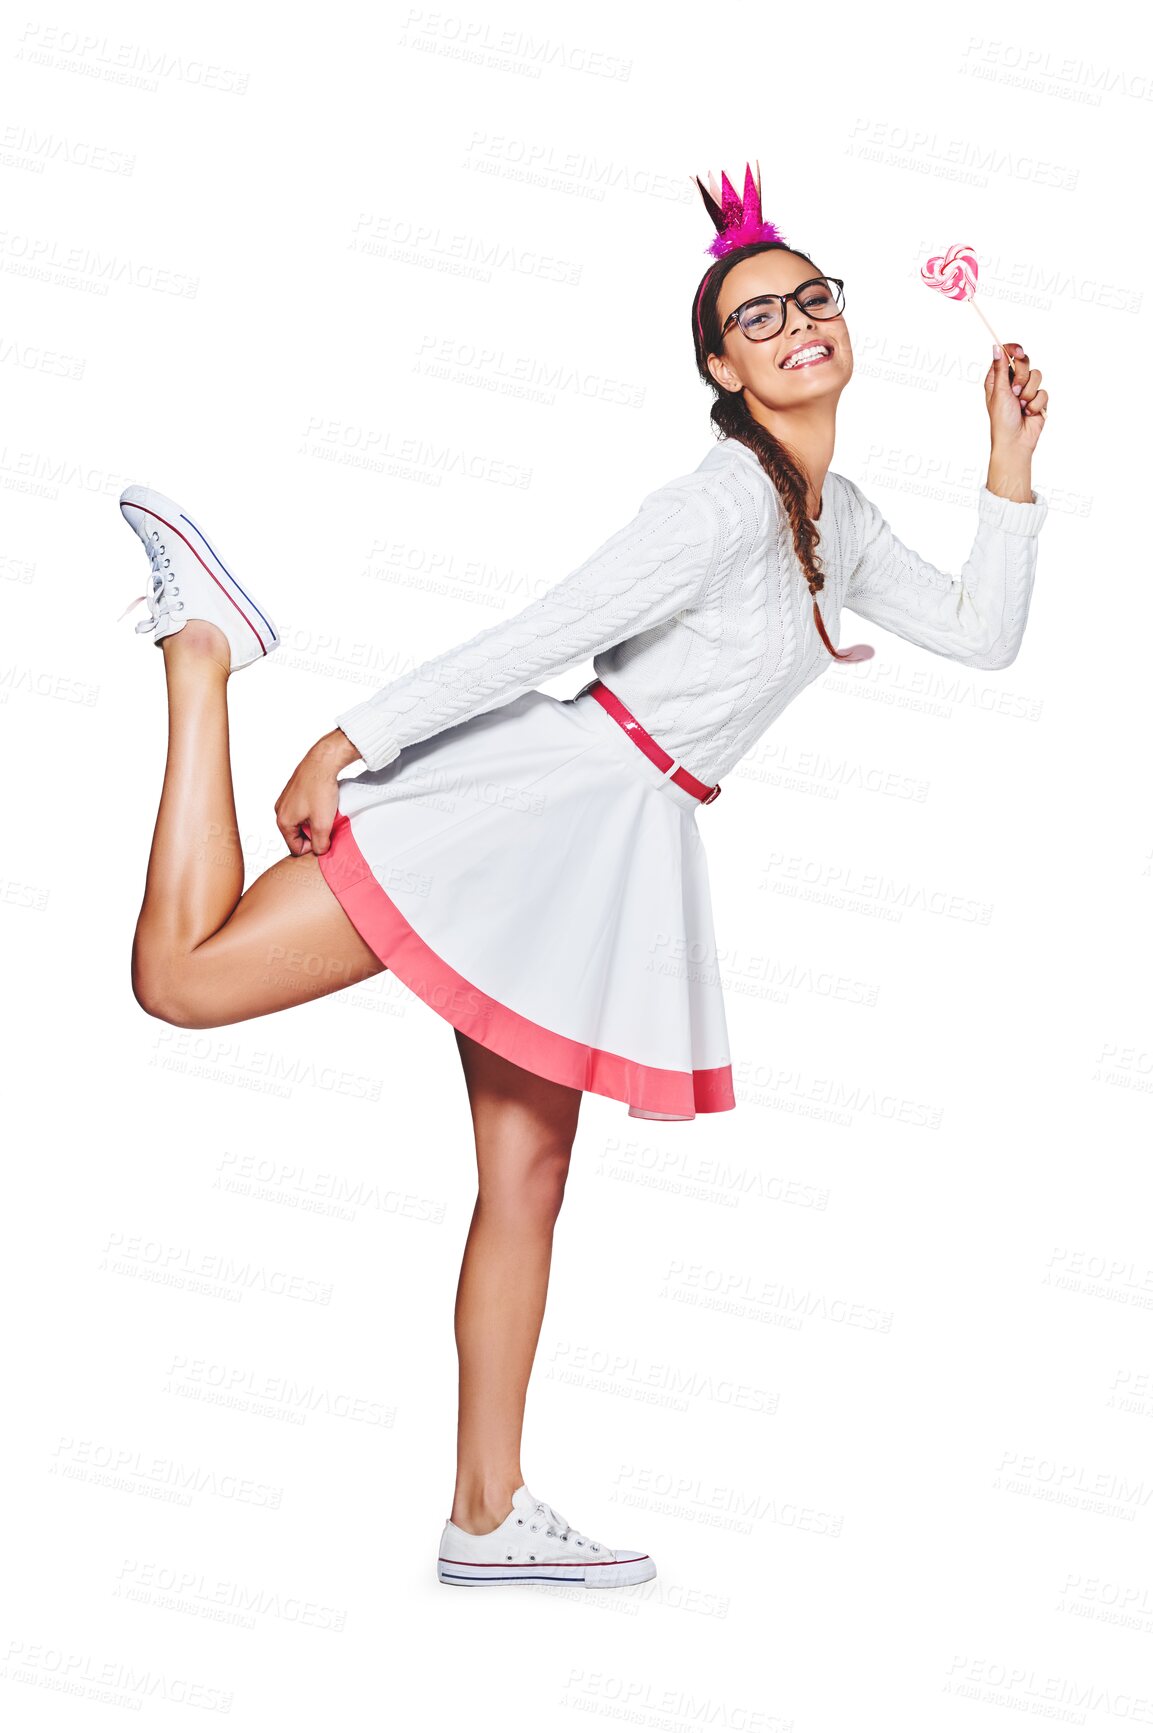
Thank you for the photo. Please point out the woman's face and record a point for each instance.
(759, 367)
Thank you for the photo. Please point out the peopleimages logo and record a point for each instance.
(120, 62)
(1025, 66)
(924, 151)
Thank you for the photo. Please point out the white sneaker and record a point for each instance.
(535, 1545)
(190, 580)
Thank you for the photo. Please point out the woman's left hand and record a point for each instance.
(1017, 411)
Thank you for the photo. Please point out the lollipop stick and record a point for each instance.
(992, 333)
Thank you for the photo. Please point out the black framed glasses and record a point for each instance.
(764, 316)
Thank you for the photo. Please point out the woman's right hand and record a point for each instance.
(308, 803)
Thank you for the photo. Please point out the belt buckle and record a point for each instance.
(711, 796)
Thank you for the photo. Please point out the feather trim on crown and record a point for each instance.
(738, 221)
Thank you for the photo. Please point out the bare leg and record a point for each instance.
(524, 1127)
(203, 954)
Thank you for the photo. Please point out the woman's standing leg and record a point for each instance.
(524, 1127)
(203, 955)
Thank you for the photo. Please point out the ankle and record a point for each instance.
(198, 639)
(478, 1508)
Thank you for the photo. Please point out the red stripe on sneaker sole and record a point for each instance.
(177, 531)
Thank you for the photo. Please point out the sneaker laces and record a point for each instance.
(162, 591)
(563, 1530)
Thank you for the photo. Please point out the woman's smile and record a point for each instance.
(822, 351)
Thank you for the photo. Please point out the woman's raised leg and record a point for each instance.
(203, 954)
(524, 1127)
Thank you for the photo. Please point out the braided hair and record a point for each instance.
(732, 418)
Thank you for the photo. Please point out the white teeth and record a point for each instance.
(806, 354)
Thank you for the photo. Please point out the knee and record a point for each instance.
(167, 1011)
(160, 999)
(531, 1188)
(546, 1181)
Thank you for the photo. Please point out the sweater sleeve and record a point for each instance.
(977, 618)
(644, 574)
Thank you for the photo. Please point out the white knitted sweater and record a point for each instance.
(697, 614)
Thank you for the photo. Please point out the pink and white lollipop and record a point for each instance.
(954, 274)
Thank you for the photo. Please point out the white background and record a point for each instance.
(866, 1364)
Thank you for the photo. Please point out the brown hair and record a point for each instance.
(731, 416)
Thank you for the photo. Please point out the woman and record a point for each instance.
(531, 867)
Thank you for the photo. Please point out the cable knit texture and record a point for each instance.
(698, 616)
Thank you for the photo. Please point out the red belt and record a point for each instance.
(622, 714)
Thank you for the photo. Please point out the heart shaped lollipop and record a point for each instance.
(953, 273)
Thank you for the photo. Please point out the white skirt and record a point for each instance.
(534, 878)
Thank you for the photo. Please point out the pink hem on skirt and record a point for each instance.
(651, 1092)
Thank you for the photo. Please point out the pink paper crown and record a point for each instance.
(738, 221)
